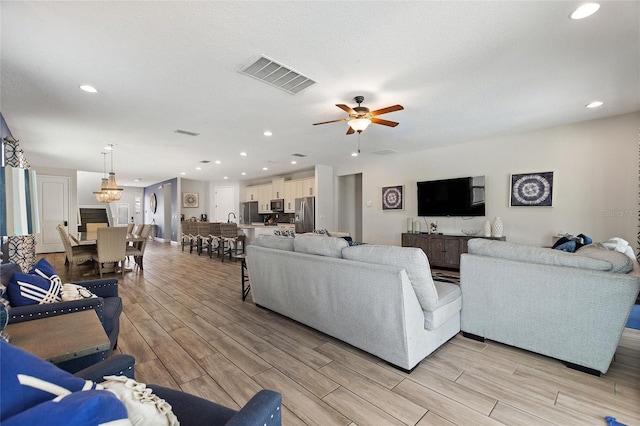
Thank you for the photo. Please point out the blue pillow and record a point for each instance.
(32, 289)
(27, 380)
(568, 246)
(93, 407)
(43, 268)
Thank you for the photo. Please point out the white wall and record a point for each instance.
(200, 187)
(595, 190)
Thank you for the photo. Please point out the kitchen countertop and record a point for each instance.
(262, 225)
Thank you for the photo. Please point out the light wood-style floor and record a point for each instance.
(188, 328)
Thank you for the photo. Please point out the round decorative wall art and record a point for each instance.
(392, 198)
(532, 189)
(153, 201)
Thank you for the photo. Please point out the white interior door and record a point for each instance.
(53, 200)
(224, 203)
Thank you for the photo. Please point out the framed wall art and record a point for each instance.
(393, 198)
(189, 199)
(532, 189)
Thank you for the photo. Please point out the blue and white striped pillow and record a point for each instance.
(32, 289)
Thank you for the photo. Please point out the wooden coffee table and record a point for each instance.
(62, 337)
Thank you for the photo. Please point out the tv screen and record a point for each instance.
(452, 197)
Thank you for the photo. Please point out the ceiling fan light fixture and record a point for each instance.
(359, 124)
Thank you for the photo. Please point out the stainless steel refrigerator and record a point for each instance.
(305, 214)
(249, 212)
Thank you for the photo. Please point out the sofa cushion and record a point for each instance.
(325, 246)
(275, 242)
(539, 255)
(449, 304)
(620, 262)
(32, 289)
(412, 259)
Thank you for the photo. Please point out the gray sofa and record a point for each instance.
(569, 306)
(380, 299)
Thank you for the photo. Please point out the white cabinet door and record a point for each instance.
(264, 198)
(290, 196)
(277, 188)
(309, 187)
(251, 193)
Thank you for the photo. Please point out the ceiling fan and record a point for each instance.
(360, 117)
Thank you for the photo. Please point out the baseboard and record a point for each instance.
(473, 336)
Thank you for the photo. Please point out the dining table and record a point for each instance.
(91, 238)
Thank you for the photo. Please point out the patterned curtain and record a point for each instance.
(21, 249)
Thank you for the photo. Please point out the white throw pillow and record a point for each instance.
(70, 292)
(143, 407)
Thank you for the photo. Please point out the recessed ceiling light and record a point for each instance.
(225, 177)
(89, 89)
(137, 180)
(354, 154)
(182, 173)
(218, 162)
(108, 148)
(265, 168)
(243, 154)
(198, 168)
(594, 104)
(267, 133)
(585, 10)
(243, 173)
(294, 162)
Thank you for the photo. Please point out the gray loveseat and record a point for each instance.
(569, 306)
(380, 299)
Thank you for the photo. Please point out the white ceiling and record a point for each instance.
(463, 71)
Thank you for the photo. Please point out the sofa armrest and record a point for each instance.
(102, 288)
(262, 409)
(32, 312)
(117, 365)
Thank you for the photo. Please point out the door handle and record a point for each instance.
(66, 223)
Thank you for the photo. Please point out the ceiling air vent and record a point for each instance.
(275, 74)
(187, 132)
(299, 155)
(385, 152)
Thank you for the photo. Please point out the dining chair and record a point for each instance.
(137, 248)
(93, 227)
(111, 247)
(203, 236)
(75, 254)
(187, 235)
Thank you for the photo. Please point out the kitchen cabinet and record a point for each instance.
(308, 187)
(264, 198)
(251, 193)
(277, 188)
(290, 196)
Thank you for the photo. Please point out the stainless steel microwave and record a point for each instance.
(277, 205)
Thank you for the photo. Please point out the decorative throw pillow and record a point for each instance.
(93, 407)
(27, 381)
(143, 407)
(70, 292)
(32, 289)
(44, 269)
(321, 231)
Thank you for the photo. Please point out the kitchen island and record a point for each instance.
(251, 231)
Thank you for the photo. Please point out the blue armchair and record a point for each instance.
(262, 409)
(108, 307)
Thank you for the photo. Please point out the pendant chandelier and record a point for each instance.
(109, 190)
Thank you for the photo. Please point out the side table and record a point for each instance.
(60, 338)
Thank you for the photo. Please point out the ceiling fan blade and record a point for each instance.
(350, 131)
(386, 110)
(346, 108)
(332, 121)
(384, 122)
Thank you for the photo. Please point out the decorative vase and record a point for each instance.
(497, 228)
(487, 229)
(416, 227)
(409, 225)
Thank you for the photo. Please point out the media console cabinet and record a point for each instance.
(442, 250)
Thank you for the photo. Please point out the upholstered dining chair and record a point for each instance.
(75, 254)
(93, 227)
(111, 246)
(137, 248)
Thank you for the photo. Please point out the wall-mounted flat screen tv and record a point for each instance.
(452, 197)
